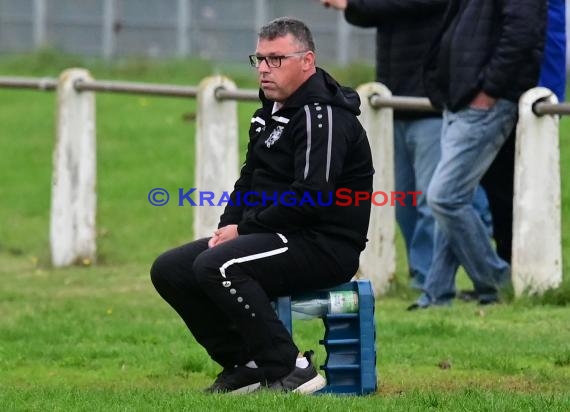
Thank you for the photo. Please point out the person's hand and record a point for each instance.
(482, 101)
(223, 234)
(335, 4)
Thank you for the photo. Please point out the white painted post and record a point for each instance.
(537, 245)
(378, 262)
(73, 198)
(216, 150)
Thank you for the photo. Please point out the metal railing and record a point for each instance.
(149, 89)
(421, 104)
(543, 108)
(241, 95)
(44, 83)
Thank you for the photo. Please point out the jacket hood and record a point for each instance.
(321, 88)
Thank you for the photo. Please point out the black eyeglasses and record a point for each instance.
(272, 61)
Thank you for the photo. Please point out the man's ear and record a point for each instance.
(309, 60)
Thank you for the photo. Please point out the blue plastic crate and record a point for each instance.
(349, 341)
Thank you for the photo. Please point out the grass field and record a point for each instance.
(99, 337)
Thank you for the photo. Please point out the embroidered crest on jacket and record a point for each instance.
(274, 136)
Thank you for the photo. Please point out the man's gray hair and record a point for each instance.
(283, 26)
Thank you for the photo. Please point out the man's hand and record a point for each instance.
(223, 234)
(335, 4)
(482, 101)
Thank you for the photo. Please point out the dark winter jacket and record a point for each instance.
(404, 31)
(489, 45)
(309, 148)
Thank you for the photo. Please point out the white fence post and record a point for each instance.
(378, 260)
(537, 245)
(216, 150)
(73, 198)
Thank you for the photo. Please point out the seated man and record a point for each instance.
(287, 235)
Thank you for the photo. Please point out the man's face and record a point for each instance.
(278, 83)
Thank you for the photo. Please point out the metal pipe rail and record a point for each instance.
(44, 83)
(396, 102)
(250, 95)
(136, 88)
(421, 104)
(542, 108)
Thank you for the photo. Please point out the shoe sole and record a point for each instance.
(246, 389)
(315, 384)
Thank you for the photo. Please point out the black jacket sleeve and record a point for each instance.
(320, 149)
(371, 13)
(522, 29)
(234, 209)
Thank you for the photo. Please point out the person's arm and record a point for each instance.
(233, 211)
(319, 159)
(522, 31)
(371, 13)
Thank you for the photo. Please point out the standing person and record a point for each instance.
(498, 181)
(404, 31)
(485, 56)
(280, 239)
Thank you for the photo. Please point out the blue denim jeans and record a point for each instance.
(416, 155)
(470, 141)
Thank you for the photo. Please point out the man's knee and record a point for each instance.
(433, 199)
(171, 269)
(440, 200)
(206, 269)
(162, 269)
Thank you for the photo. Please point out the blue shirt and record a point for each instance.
(553, 65)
